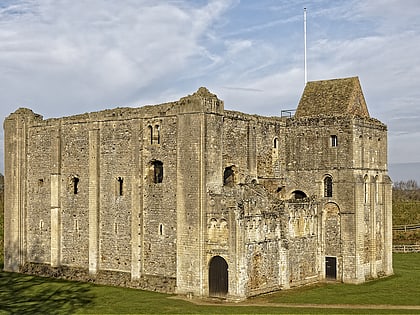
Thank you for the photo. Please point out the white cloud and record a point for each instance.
(65, 57)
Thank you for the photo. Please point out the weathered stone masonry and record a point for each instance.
(190, 198)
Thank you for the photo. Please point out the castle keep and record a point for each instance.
(190, 198)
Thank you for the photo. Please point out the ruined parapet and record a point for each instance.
(201, 101)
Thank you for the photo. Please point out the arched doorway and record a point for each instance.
(218, 277)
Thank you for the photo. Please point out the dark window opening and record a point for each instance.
(157, 172)
(151, 134)
(75, 185)
(160, 229)
(275, 143)
(120, 185)
(334, 141)
(157, 129)
(298, 194)
(328, 186)
(228, 176)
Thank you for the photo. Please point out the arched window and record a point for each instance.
(120, 184)
(275, 143)
(157, 167)
(157, 134)
(298, 194)
(75, 181)
(151, 134)
(366, 188)
(229, 176)
(328, 187)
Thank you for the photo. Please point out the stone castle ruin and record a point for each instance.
(189, 198)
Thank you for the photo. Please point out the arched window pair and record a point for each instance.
(366, 188)
(154, 132)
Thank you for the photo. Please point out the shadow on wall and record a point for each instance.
(21, 294)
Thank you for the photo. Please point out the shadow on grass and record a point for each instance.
(21, 294)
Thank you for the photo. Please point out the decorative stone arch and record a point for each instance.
(218, 277)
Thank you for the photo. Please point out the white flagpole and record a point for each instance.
(304, 39)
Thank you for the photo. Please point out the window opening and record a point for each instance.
(160, 229)
(334, 141)
(298, 194)
(75, 185)
(366, 192)
(151, 134)
(120, 185)
(157, 172)
(328, 186)
(228, 176)
(157, 130)
(275, 143)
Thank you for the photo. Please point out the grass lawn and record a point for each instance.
(20, 294)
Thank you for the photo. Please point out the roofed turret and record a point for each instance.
(333, 97)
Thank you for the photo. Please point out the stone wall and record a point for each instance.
(151, 197)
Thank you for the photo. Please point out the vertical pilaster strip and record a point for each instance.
(372, 223)
(359, 228)
(252, 150)
(203, 204)
(387, 200)
(56, 229)
(93, 201)
(135, 203)
(15, 134)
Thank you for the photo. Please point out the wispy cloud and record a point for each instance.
(65, 57)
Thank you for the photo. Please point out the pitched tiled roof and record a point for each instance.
(333, 97)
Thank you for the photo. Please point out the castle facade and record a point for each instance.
(189, 198)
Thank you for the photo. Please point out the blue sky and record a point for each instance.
(65, 57)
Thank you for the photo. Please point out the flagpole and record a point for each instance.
(304, 39)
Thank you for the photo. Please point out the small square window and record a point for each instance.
(334, 141)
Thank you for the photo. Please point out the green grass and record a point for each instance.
(22, 294)
(403, 288)
(1, 227)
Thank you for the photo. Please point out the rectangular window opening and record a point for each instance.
(334, 141)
